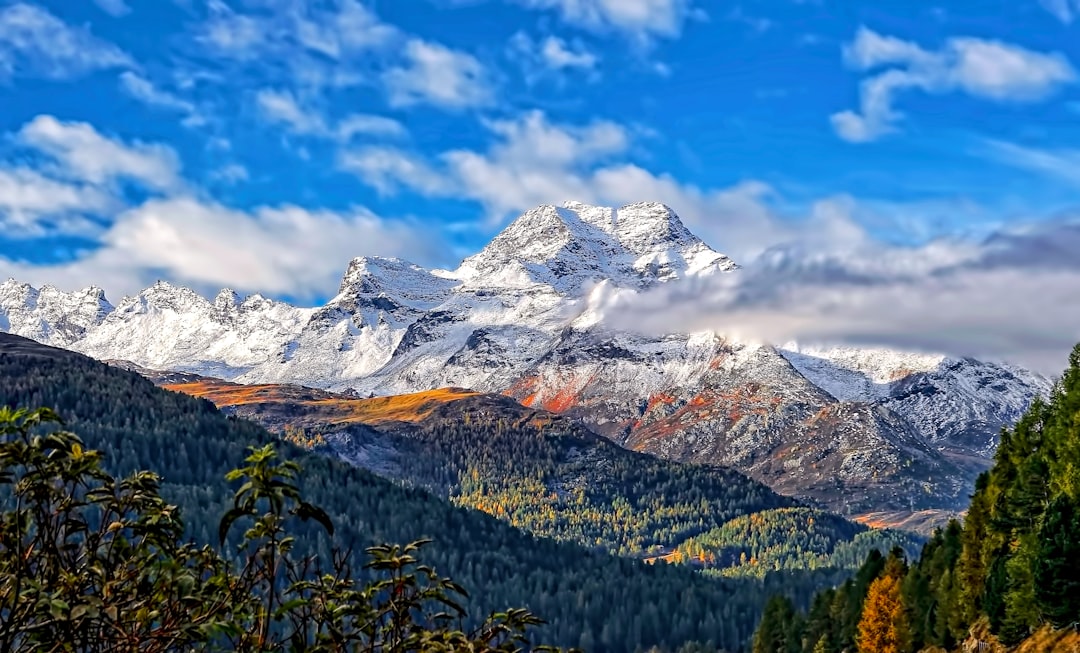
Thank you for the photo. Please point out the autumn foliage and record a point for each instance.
(883, 625)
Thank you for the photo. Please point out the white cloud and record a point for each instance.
(82, 153)
(435, 74)
(387, 168)
(286, 250)
(871, 50)
(551, 57)
(283, 107)
(176, 233)
(639, 19)
(816, 275)
(32, 204)
(985, 69)
(313, 51)
(35, 42)
(74, 177)
(1064, 10)
(535, 161)
(232, 173)
(234, 35)
(558, 54)
(352, 27)
(144, 91)
(370, 125)
(1010, 297)
(297, 34)
(114, 7)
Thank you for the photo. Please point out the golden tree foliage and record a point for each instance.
(883, 625)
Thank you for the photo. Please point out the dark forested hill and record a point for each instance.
(592, 599)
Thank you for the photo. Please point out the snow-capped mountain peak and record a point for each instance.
(51, 315)
(227, 300)
(573, 246)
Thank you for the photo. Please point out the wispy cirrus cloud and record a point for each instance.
(285, 108)
(1064, 10)
(337, 30)
(143, 90)
(34, 42)
(1062, 163)
(990, 70)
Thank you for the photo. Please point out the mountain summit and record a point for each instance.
(565, 247)
(856, 430)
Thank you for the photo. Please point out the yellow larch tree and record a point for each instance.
(883, 626)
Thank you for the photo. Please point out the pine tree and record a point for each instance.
(779, 629)
(970, 568)
(1057, 567)
(1063, 432)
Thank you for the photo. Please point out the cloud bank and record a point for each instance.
(1014, 296)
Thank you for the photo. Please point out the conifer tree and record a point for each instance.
(779, 629)
(1057, 567)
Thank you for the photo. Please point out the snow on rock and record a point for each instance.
(952, 402)
(49, 315)
(524, 316)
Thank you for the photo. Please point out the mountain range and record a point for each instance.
(853, 430)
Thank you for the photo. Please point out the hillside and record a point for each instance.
(851, 430)
(536, 470)
(592, 599)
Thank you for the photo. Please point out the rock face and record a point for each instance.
(857, 430)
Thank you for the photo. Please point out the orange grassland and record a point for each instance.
(309, 405)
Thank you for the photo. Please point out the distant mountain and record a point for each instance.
(856, 431)
(537, 470)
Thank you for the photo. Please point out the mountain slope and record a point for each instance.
(591, 599)
(523, 317)
(537, 470)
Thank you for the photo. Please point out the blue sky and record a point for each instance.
(260, 144)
